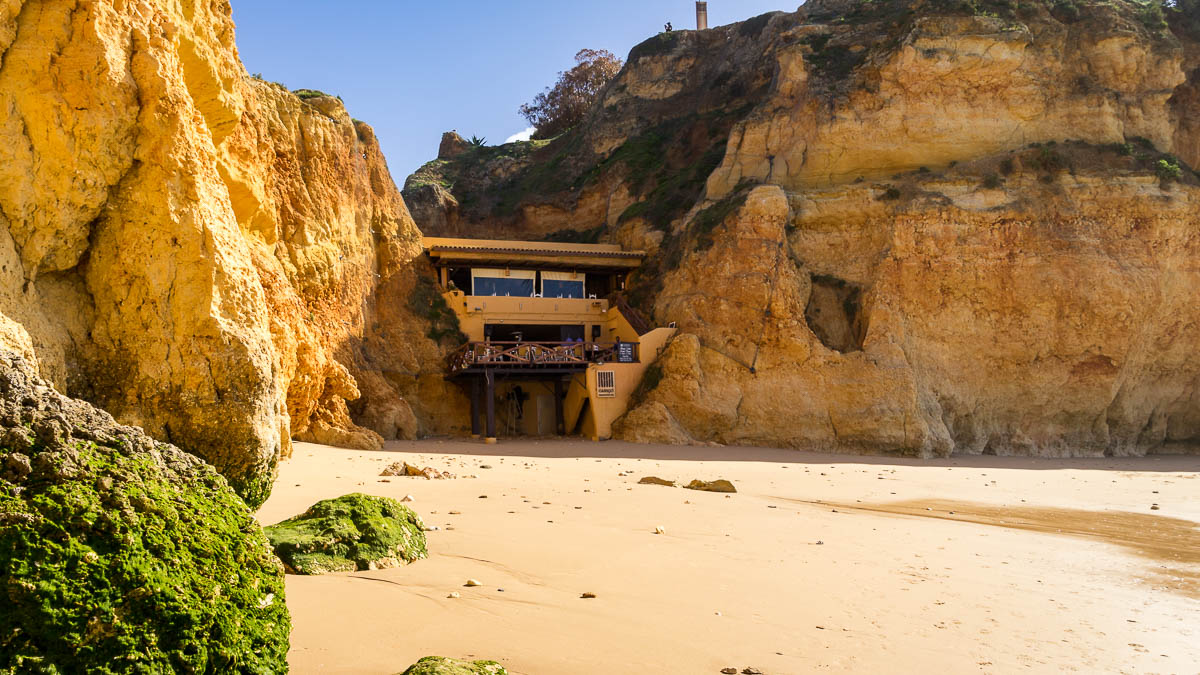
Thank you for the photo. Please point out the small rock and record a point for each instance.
(406, 469)
(659, 530)
(485, 466)
(720, 485)
(588, 596)
(454, 594)
(471, 583)
(729, 671)
(655, 480)
(820, 543)
(456, 513)
(751, 671)
(407, 498)
(1154, 507)
(483, 496)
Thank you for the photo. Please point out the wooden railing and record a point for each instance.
(536, 354)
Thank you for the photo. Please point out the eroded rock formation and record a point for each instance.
(914, 227)
(199, 252)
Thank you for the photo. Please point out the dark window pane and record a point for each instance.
(517, 288)
(562, 289)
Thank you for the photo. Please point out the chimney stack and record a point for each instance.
(701, 16)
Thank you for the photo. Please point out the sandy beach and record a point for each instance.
(819, 563)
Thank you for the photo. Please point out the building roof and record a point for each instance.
(539, 254)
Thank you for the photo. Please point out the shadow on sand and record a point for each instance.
(1172, 543)
(566, 448)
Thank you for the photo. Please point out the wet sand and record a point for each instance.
(819, 563)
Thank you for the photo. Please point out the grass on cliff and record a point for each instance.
(309, 94)
(426, 301)
(697, 235)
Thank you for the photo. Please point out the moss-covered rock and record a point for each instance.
(440, 665)
(354, 532)
(122, 554)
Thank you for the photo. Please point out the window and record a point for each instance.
(606, 384)
(498, 282)
(563, 284)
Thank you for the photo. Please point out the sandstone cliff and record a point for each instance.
(200, 253)
(916, 227)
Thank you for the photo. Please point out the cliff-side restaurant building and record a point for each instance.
(547, 352)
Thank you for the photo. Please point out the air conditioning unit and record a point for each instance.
(606, 384)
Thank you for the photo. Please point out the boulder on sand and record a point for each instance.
(119, 553)
(719, 485)
(440, 665)
(655, 480)
(406, 469)
(350, 533)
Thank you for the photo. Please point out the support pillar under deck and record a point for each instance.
(490, 405)
(475, 396)
(560, 422)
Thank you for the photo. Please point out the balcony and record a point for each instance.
(530, 357)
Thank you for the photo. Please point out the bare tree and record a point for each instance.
(563, 106)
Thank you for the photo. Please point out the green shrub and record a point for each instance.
(650, 381)
(1168, 169)
(309, 94)
(1048, 159)
(658, 45)
(1151, 16)
(712, 217)
(427, 302)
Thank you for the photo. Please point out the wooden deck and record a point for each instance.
(476, 357)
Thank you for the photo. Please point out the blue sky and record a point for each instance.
(415, 69)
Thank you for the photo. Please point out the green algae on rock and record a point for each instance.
(353, 532)
(119, 553)
(440, 665)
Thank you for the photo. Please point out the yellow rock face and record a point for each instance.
(956, 89)
(198, 252)
(893, 267)
(1033, 319)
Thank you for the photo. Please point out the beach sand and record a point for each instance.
(819, 563)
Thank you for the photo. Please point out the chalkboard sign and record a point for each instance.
(625, 353)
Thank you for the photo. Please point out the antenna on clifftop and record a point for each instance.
(701, 16)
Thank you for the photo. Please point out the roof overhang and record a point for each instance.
(531, 254)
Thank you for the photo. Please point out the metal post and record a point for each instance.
(490, 405)
(475, 423)
(560, 422)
